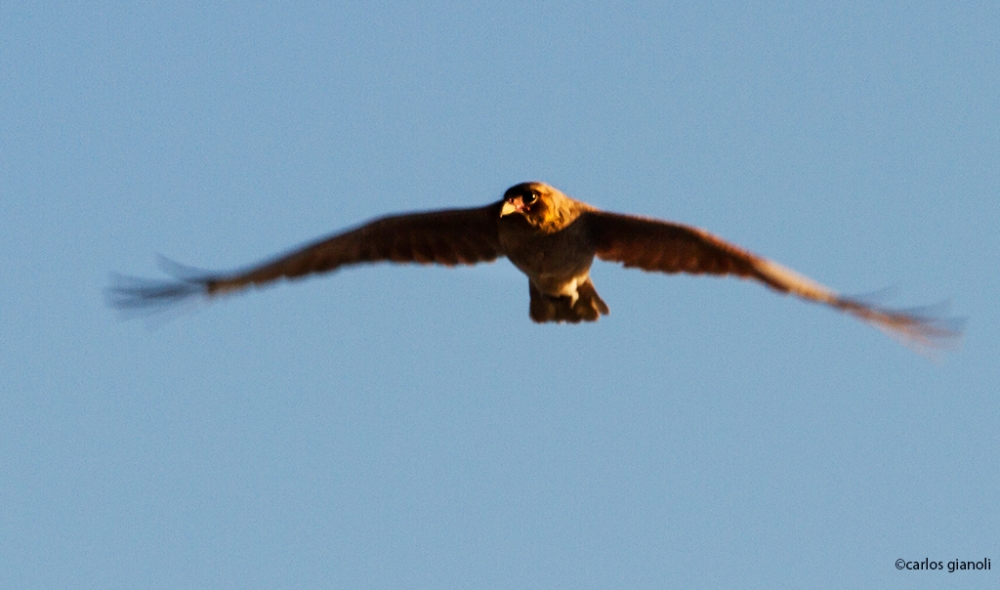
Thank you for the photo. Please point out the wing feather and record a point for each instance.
(661, 246)
(449, 237)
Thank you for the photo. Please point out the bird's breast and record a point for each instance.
(548, 258)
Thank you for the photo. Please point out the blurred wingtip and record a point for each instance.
(135, 296)
(926, 330)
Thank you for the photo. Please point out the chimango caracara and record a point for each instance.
(551, 238)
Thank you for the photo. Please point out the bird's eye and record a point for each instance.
(530, 198)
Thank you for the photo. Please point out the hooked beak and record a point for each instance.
(513, 206)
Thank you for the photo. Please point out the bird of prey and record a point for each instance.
(551, 238)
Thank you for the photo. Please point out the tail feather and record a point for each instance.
(588, 306)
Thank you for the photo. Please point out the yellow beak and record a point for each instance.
(507, 208)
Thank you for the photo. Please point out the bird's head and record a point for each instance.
(524, 199)
(538, 203)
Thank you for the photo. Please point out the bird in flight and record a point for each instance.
(552, 239)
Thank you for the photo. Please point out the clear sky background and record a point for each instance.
(409, 427)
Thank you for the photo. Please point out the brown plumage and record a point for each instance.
(551, 238)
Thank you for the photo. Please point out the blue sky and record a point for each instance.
(409, 427)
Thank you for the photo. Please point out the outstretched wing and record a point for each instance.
(449, 237)
(655, 245)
